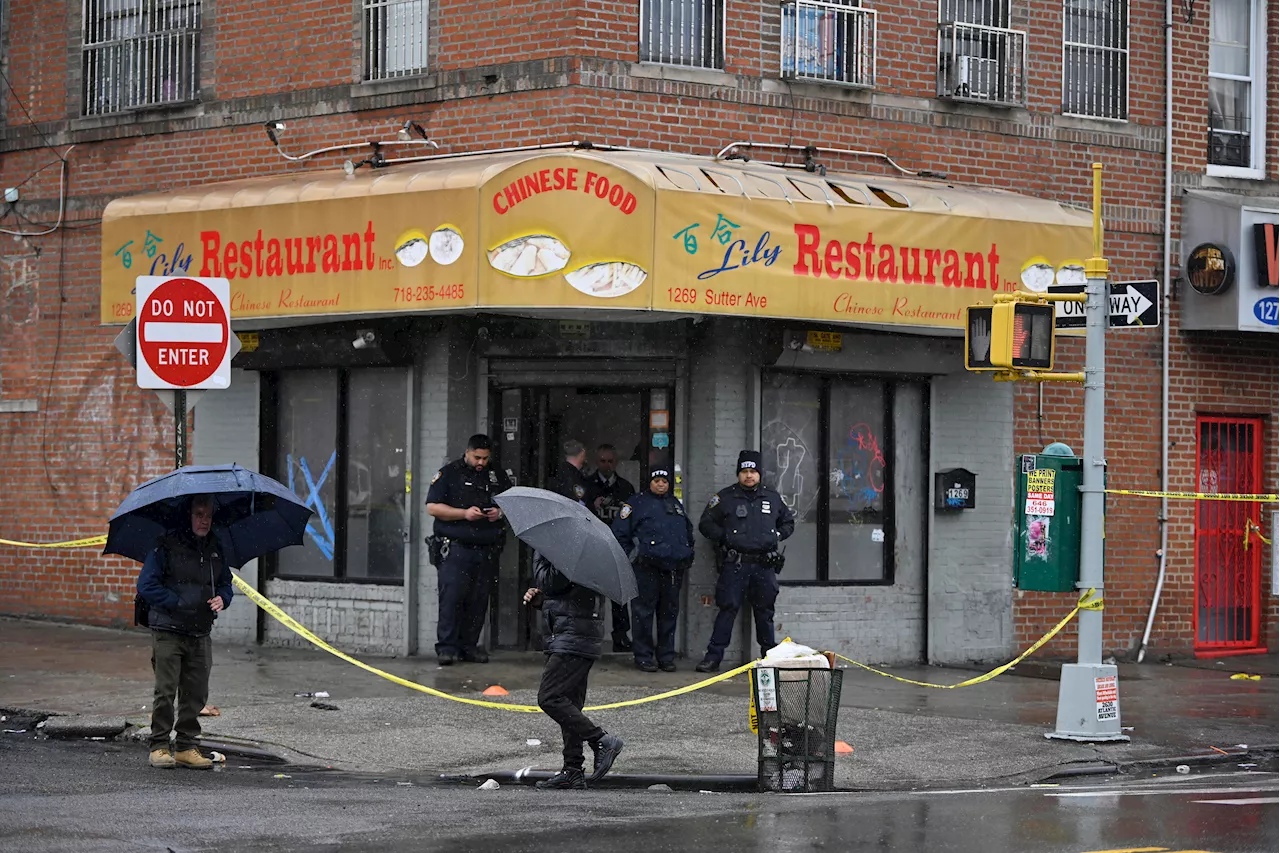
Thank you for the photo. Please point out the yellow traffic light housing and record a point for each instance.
(1009, 335)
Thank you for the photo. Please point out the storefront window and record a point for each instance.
(825, 448)
(341, 446)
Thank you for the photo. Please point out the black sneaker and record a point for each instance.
(646, 666)
(446, 658)
(621, 644)
(606, 750)
(565, 780)
(477, 656)
(667, 666)
(708, 664)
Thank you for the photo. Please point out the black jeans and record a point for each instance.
(561, 695)
(465, 581)
(659, 593)
(181, 665)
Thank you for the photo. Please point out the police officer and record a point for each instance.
(468, 538)
(608, 491)
(747, 521)
(569, 479)
(655, 523)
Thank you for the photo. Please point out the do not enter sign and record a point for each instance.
(184, 329)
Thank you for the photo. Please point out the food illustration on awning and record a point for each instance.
(446, 245)
(607, 279)
(411, 248)
(530, 256)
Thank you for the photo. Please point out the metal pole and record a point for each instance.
(179, 428)
(1088, 692)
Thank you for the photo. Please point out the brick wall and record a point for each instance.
(357, 618)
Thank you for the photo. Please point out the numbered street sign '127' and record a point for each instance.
(184, 330)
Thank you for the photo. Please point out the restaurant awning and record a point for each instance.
(597, 230)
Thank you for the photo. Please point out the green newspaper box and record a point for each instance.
(1047, 549)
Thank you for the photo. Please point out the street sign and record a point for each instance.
(126, 343)
(1134, 304)
(183, 333)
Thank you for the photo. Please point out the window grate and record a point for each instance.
(829, 42)
(979, 58)
(396, 38)
(139, 53)
(682, 32)
(1095, 58)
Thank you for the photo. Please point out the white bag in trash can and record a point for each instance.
(789, 655)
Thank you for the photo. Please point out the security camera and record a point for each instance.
(275, 130)
(364, 339)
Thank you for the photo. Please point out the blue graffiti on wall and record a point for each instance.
(312, 499)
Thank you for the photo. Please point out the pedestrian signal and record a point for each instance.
(1009, 335)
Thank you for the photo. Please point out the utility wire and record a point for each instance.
(27, 113)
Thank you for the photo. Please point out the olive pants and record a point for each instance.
(181, 664)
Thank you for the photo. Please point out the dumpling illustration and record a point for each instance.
(607, 279)
(526, 257)
(411, 247)
(1072, 273)
(446, 245)
(1037, 274)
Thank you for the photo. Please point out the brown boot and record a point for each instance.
(162, 759)
(192, 758)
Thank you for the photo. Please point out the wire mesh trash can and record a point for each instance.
(796, 711)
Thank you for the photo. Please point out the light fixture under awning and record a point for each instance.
(596, 230)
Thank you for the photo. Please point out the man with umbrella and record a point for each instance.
(185, 582)
(578, 561)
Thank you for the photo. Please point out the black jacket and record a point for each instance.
(658, 528)
(752, 521)
(574, 614)
(459, 485)
(571, 483)
(179, 577)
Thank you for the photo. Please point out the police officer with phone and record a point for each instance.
(468, 539)
(746, 521)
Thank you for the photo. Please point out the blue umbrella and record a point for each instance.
(255, 514)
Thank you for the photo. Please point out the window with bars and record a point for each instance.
(682, 32)
(396, 38)
(139, 53)
(830, 41)
(979, 57)
(1236, 83)
(1095, 58)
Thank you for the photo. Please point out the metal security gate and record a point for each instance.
(1228, 549)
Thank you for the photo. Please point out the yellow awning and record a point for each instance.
(557, 229)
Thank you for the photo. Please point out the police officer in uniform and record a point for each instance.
(746, 521)
(655, 523)
(468, 538)
(569, 479)
(608, 492)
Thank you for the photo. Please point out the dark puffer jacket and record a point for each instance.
(574, 614)
(179, 577)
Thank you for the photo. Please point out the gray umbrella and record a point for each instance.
(577, 543)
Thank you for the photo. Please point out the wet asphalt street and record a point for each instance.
(98, 796)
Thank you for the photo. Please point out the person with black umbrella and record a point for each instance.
(185, 583)
(575, 627)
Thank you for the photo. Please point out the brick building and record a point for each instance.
(939, 126)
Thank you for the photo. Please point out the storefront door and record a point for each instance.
(1228, 547)
(531, 423)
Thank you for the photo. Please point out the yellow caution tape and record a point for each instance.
(1251, 527)
(293, 625)
(1089, 600)
(1195, 496)
(74, 543)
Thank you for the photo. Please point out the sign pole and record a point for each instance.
(179, 428)
(1088, 692)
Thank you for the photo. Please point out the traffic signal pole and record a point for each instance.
(1088, 690)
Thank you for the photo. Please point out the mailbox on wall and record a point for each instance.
(955, 489)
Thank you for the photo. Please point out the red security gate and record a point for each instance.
(1228, 550)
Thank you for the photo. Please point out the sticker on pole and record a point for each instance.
(184, 331)
(1040, 499)
(1107, 694)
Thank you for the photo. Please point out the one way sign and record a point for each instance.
(1134, 304)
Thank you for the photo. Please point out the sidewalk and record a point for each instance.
(903, 736)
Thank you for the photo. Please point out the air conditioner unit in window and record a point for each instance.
(977, 77)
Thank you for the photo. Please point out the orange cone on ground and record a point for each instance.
(495, 690)
(843, 748)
